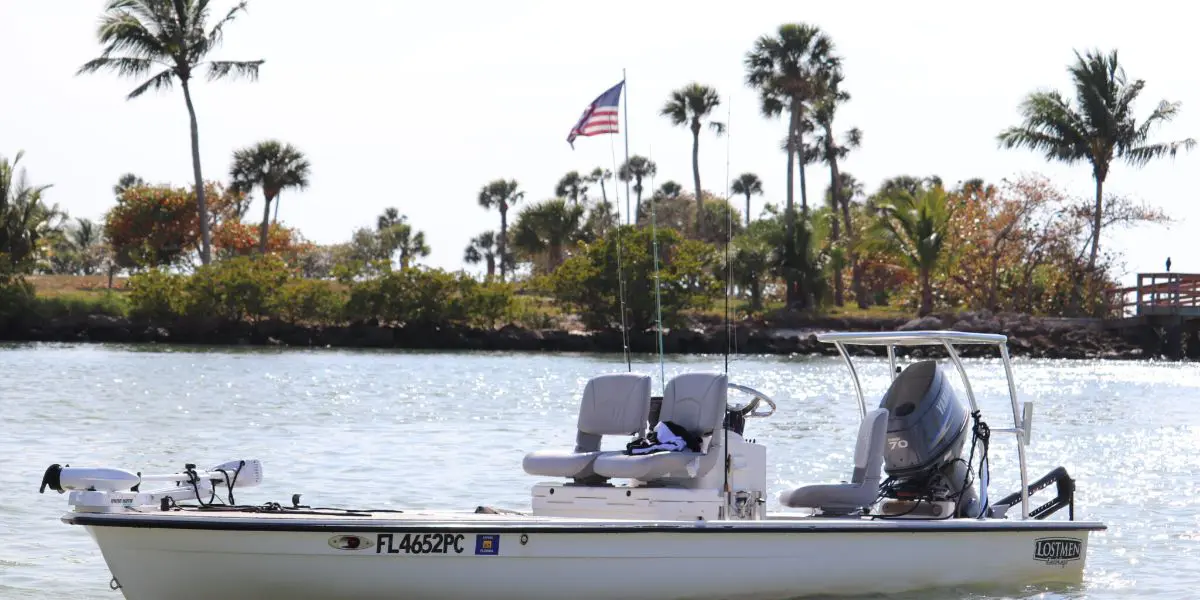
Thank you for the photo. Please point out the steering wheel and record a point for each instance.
(748, 410)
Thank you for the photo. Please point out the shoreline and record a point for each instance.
(791, 334)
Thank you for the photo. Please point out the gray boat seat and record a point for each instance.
(863, 488)
(616, 404)
(695, 401)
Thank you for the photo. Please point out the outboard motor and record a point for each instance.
(927, 426)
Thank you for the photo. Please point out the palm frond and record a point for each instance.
(1143, 154)
(163, 81)
(218, 31)
(123, 32)
(220, 69)
(124, 66)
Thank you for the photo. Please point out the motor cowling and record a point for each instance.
(926, 421)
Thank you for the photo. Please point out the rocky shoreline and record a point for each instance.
(780, 335)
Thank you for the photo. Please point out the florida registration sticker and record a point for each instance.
(487, 544)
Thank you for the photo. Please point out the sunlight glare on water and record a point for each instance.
(448, 430)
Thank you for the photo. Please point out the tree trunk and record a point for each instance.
(696, 177)
(856, 271)
(637, 208)
(755, 294)
(262, 230)
(789, 214)
(491, 267)
(993, 282)
(503, 239)
(201, 205)
(275, 219)
(835, 195)
(556, 256)
(856, 283)
(800, 163)
(1096, 222)
(747, 210)
(926, 294)
(603, 192)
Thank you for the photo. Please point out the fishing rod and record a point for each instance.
(657, 284)
(728, 286)
(620, 271)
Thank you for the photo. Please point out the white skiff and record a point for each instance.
(686, 522)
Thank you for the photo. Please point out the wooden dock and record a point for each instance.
(1162, 312)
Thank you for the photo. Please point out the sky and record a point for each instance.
(418, 105)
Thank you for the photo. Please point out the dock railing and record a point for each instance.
(1158, 294)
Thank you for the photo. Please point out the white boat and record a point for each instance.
(679, 523)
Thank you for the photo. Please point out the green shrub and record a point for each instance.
(532, 312)
(82, 304)
(238, 289)
(16, 297)
(487, 302)
(308, 300)
(428, 297)
(589, 280)
(157, 295)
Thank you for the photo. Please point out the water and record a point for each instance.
(399, 429)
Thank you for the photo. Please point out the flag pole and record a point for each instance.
(628, 213)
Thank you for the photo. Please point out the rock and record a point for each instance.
(106, 321)
(923, 324)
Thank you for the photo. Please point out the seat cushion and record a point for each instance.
(830, 496)
(649, 466)
(560, 463)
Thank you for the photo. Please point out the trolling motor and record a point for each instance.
(926, 431)
(105, 489)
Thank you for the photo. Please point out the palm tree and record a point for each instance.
(150, 34)
(689, 106)
(914, 227)
(483, 248)
(827, 149)
(548, 227)
(1100, 125)
(272, 166)
(572, 186)
(636, 169)
(789, 71)
(397, 235)
(85, 234)
(751, 260)
(848, 189)
(86, 239)
(600, 175)
(24, 218)
(127, 181)
(501, 194)
(748, 184)
(668, 190)
(409, 243)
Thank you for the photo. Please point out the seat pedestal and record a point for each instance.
(666, 499)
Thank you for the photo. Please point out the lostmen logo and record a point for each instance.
(1057, 551)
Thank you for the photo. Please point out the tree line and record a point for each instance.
(1020, 245)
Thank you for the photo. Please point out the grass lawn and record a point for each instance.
(49, 286)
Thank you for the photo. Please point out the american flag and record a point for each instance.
(599, 117)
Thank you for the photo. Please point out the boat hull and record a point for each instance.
(237, 559)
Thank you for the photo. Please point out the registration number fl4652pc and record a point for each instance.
(420, 543)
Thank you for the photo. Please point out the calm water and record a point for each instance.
(419, 429)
